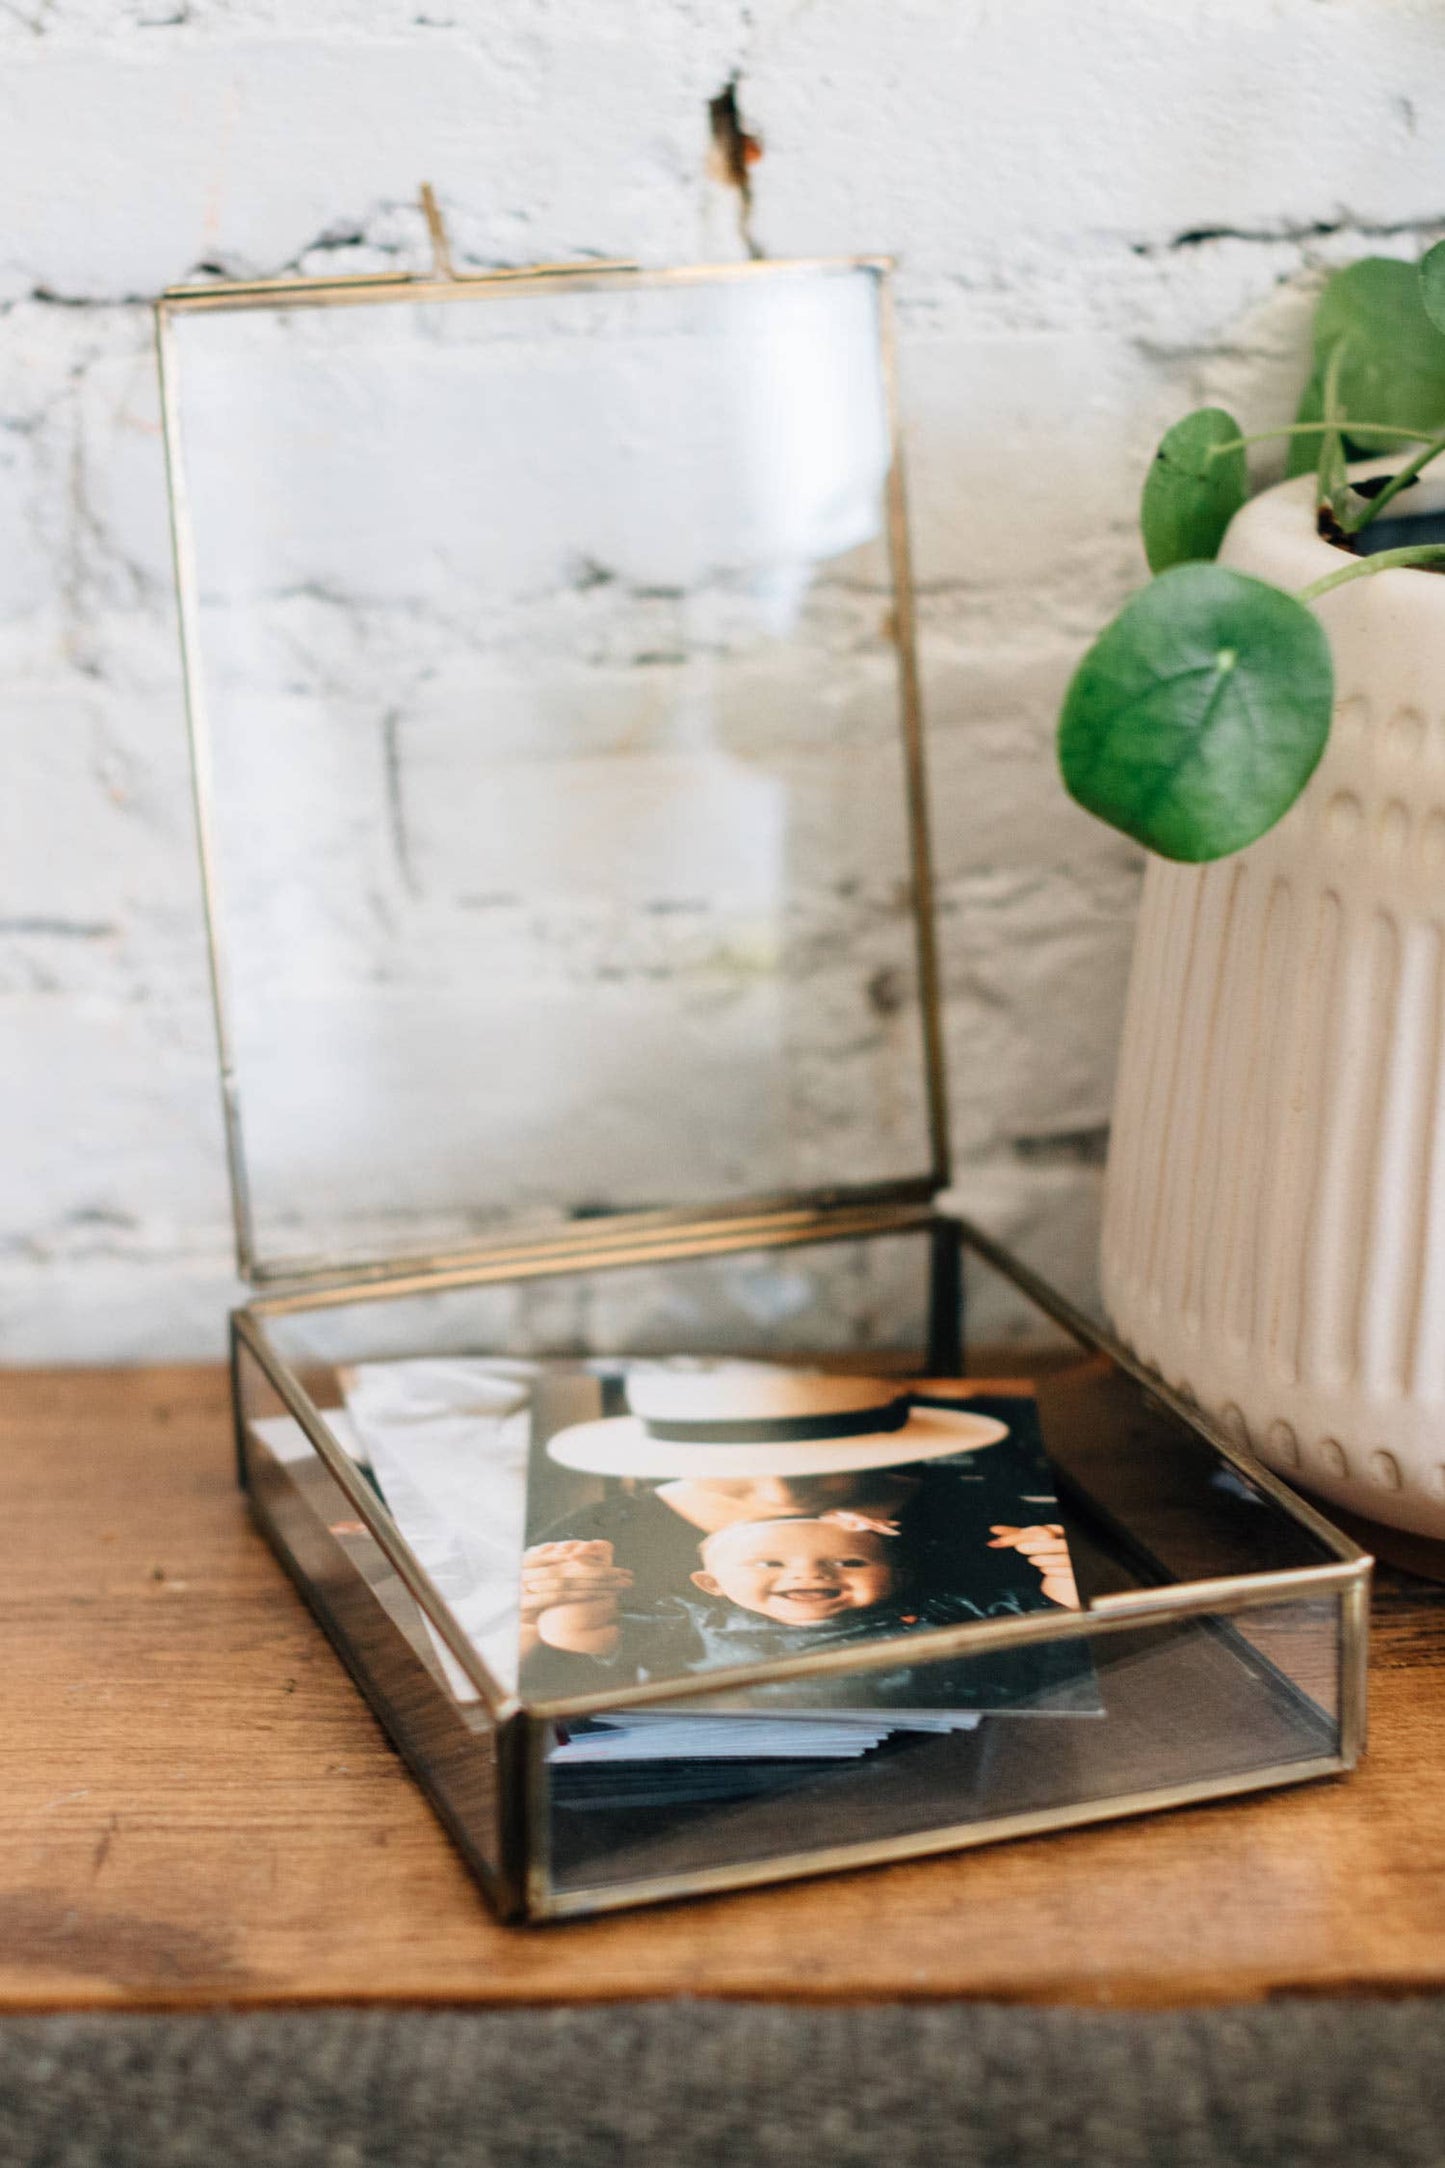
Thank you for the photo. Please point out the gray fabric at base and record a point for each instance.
(731, 2086)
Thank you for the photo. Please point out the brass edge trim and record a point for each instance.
(702, 1238)
(183, 296)
(238, 1422)
(436, 226)
(1278, 1582)
(1354, 1671)
(1105, 1342)
(910, 693)
(607, 1231)
(1225, 1597)
(515, 1792)
(390, 286)
(967, 1836)
(198, 737)
(538, 1820)
(590, 1234)
(500, 1706)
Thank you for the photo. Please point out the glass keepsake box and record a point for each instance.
(549, 654)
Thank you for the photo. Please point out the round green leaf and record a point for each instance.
(1193, 489)
(1432, 285)
(1394, 367)
(1198, 716)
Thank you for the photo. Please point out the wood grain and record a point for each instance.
(196, 1806)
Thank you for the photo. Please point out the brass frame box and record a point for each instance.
(1226, 1620)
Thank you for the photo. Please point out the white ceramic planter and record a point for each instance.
(1274, 1232)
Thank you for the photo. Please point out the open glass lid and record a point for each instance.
(548, 651)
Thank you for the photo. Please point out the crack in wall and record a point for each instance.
(33, 20)
(60, 929)
(396, 800)
(1087, 1147)
(734, 154)
(1286, 234)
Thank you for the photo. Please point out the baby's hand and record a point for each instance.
(877, 1524)
(1045, 1547)
(583, 1629)
(569, 1572)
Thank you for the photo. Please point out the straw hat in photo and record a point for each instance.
(757, 1419)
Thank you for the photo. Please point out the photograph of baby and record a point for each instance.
(740, 1512)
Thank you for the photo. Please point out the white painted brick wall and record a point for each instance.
(1104, 214)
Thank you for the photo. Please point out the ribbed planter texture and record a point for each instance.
(1274, 1231)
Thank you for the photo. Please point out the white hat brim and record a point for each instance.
(621, 1445)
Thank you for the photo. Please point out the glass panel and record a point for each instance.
(868, 1298)
(1154, 1500)
(430, 1711)
(468, 1372)
(454, 1400)
(560, 829)
(1192, 1705)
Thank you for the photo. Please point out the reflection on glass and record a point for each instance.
(825, 1298)
(1188, 1705)
(468, 1425)
(561, 820)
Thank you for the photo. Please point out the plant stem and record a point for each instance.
(1424, 553)
(1373, 507)
(1396, 483)
(1311, 429)
(1334, 475)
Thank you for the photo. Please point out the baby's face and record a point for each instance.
(797, 1572)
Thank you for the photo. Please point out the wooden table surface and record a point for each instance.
(197, 1807)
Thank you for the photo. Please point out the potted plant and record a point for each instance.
(1268, 718)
